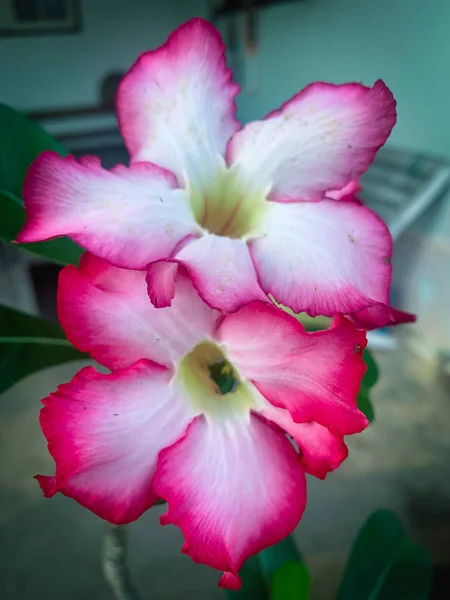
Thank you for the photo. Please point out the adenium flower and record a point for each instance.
(247, 211)
(158, 425)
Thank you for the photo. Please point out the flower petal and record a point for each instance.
(222, 271)
(161, 277)
(380, 315)
(105, 311)
(105, 432)
(176, 106)
(47, 485)
(233, 487)
(347, 192)
(128, 216)
(315, 376)
(324, 137)
(324, 257)
(321, 450)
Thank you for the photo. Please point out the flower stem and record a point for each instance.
(114, 563)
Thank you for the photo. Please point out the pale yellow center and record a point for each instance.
(212, 383)
(229, 206)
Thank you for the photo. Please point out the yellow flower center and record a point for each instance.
(228, 206)
(212, 383)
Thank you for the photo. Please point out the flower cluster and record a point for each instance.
(217, 401)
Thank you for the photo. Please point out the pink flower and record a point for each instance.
(348, 192)
(244, 209)
(157, 426)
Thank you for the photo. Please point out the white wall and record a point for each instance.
(404, 42)
(53, 71)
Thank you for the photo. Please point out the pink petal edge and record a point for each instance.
(346, 193)
(315, 376)
(105, 433)
(229, 508)
(324, 257)
(220, 268)
(105, 311)
(320, 450)
(176, 106)
(321, 139)
(380, 315)
(129, 216)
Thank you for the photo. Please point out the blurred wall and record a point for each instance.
(406, 43)
(54, 71)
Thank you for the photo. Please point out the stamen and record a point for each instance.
(223, 376)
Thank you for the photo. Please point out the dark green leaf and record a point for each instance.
(371, 375)
(376, 544)
(408, 577)
(12, 217)
(292, 581)
(258, 572)
(253, 586)
(369, 380)
(29, 344)
(21, 141)
(271, 559)
(364, 403)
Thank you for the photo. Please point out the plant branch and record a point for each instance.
(114, 563)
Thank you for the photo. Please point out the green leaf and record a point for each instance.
(274, 557)
(21, 141)
(364, 403)
(292, 581)
(381, 560)
(12, 217)
(258, 572)
(408, 577)
(29, 344)
(371, 375)
(376, 543)
(253, 586)
(368, 381)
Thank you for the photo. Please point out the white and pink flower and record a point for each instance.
(158, 425)
(247, 211)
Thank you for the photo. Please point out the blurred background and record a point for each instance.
(60, 62)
